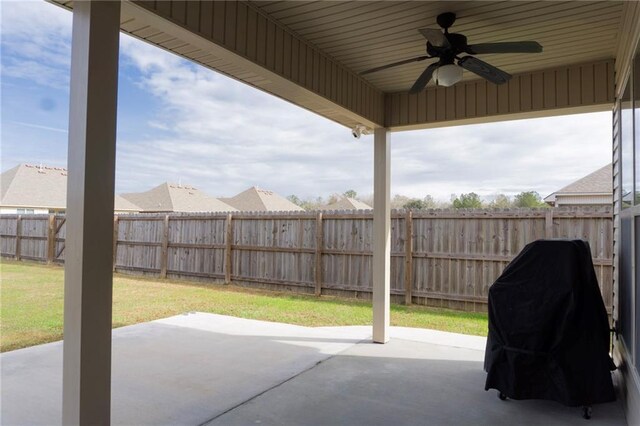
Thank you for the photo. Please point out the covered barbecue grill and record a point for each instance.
(548, 328)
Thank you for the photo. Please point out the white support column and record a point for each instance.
(381, 235)
(90, 190)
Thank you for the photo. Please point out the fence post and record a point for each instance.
(51, 238)
(165, 247)
(228, 247)
(318, 254)
(408, 258)
(115, 241)
(548, 223)
(18, 236)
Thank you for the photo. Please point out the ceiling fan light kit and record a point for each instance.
(447, 75)
(447, 48)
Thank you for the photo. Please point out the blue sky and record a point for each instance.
(178, 121)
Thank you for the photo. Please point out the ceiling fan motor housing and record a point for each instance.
(446, 20)
(458, 42)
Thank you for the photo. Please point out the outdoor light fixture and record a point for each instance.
(447, 75)
(360, 130)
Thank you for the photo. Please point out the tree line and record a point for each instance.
(471, 200)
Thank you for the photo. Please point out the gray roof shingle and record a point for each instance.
(28, 185)
(346, 203)
(34, 186)
(171, 197)
(256, 199)
(598, 182)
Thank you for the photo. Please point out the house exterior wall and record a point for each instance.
(583, 200)
(626, 187)
(38, 210)
(25, 210)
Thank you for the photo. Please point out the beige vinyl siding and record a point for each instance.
(584, 200)
(627, 45)
(579, 87)
(616, 206)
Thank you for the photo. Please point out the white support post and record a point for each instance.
(86, 394)
(381, 235)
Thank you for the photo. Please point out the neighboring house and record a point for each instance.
(595, 189)
(172, 197)
(346, 203)
(256, 199)
(31, 189)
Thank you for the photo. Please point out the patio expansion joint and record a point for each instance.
(206, 422)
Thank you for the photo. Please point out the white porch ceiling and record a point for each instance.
(311, 53)
(363, 35)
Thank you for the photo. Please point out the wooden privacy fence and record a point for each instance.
(445, 258)
(32, 237)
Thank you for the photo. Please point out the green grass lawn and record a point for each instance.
(31, 298)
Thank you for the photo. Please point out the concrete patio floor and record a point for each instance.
(197, 368)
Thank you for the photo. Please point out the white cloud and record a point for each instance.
(39, 126)
(225, 136)
(36, 43)
(510, 157)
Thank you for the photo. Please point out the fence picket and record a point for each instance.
(318, 254)
(51, 238)
(228, 247)
(408, 256)
(18, 254)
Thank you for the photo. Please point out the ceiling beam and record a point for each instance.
(562, 90)
(628, 39)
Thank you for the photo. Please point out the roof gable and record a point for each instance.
(171, 197)
(6, 179)
(598, 182)
(122, 205)
(34, 186)
(346, 203)
(256, 199)
(44, 187)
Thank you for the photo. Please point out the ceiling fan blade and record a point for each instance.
(395, 64)
(484, 70)
(435, 37)
(424, 78)
(506, 47)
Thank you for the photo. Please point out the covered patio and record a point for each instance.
(312, 54)
(198, 368)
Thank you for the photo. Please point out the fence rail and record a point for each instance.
(445, 258)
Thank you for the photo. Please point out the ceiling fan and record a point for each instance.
(448, 47)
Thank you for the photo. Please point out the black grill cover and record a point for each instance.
(548, 327)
